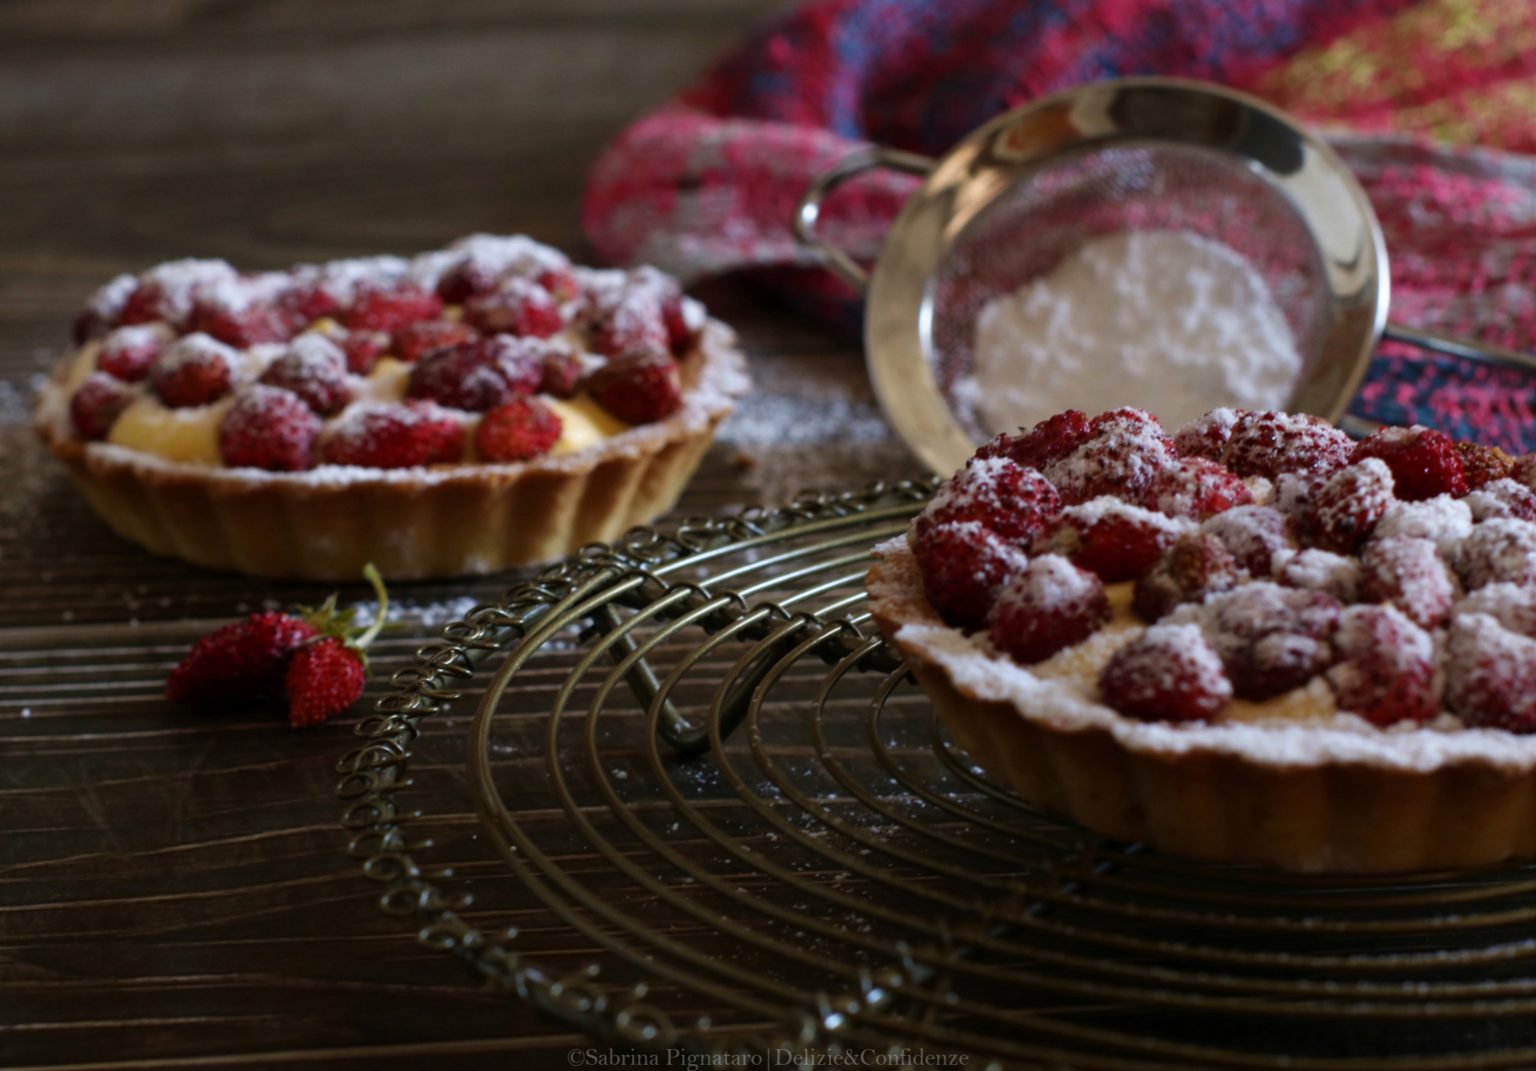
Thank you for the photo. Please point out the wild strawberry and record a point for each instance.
(1346, 509)
(477, 375)
(323, 679)
(1443, 520)
(96, 405)
(169, 291)
(1125, 453)
(1501, 549)
(1048, 605)
(1197, 488)
(1410, 574)
(314, 368)
(308, 300)
(560, 282)
(1322, 570)
(964, 565)
(465, 279)
(1270, 639)
(390, 307)
(393, 436)
(517, 430)
(1294, 493)
(633, 325)
(1196, 565)
(418, 340)
(1490, 675)
(362, 348)
(1502, 498)
(128, 352)
(638, 388)
(1168, 673)
(1511, 605)
(1001, 495)
(194, 370)
(1260, 538)
(560, 371)
(242, 324)
(1114, 539)
(104, 308)
(1050, 440)
(1386, 667)
(1423, 461)
(1525, 470)
(517, 306)
(1269, 443)
(243, 660)
(268, 428)
(1483, 464)
(1206, 436)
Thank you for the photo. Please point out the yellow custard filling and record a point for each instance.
(1082, 663)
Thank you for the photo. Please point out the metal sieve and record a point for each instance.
(1021, 193)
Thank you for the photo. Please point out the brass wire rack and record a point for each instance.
(712, 816)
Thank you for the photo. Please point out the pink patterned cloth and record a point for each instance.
(707, 184)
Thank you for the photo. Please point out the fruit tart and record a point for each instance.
(469, 409)
(1253, 639)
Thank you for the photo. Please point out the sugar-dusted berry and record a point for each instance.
(1385, 671)
(1168, 673)
(1501, 549)
(1443, 520)
(1125, 451)
(638, 388)
(1196, 565)
(1113, 539)
(1206, 436)
(193, 370)
(127, 352)
(1015, 502)
(314, 368)
(1259, 537)
(1322, 570)
(561, 369)
(1490, 674)
(519, 429)
(1424, 462)
(1345, 510)
(1483, 464)
(478, 375)
(418, 340)
(394, 436)
(1048, 605)
(269, 428)
(1410, 574)
(1050, 440)
(1502, 498)
(964, 565)
(1197, 488)
(1511, 605)
(1271, 639)
(517, 306)
(1269, 443)
(96, 405)
(390, 307)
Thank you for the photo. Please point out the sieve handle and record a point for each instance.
(1460, 347)
(809, 209)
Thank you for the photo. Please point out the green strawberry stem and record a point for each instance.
(373, 577)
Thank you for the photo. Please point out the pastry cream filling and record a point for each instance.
(1082, 663)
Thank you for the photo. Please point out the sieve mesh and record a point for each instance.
(1044, 215)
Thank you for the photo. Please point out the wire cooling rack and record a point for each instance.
(698, 805)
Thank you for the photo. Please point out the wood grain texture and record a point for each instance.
(173, 889)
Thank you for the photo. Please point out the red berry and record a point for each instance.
(517, 430)
(194, 370)
(1346, 509)
(242, 324)
(561, 372)
(1196, 487)
(1502, 498)
(1260, 538)
(1114, 539)
(639, 388)
(1048, 605)
(633, 325)
(268, 428)
(1269, 443)
(169, 291)
(1501, 549)
(466, 279)
(561, 283)
(1511, 605)
(1206, 436)
(362, 349)
(323, 679)
(128, 352)
(1050, 440)
(305, 302)
(1168, 673)
(1386, 667)
(416, 341)
(1196, 565)
(1000, 494)
(1424, 462)
(390, 307)
(104, 308)
(1125, 453)
(242, 660)
(1490, 675)
(1443, 520)
(96, 405)
(1410, 574)
(394, 437)
(314, 368)
(518, 306)
(1322, 570)
(1483, 464)
(1270, 639)
(477, 375)
(1295, 492)
(964, 565)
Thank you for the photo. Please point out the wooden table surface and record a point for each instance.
(174, 890)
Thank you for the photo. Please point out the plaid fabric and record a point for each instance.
(707, 183)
